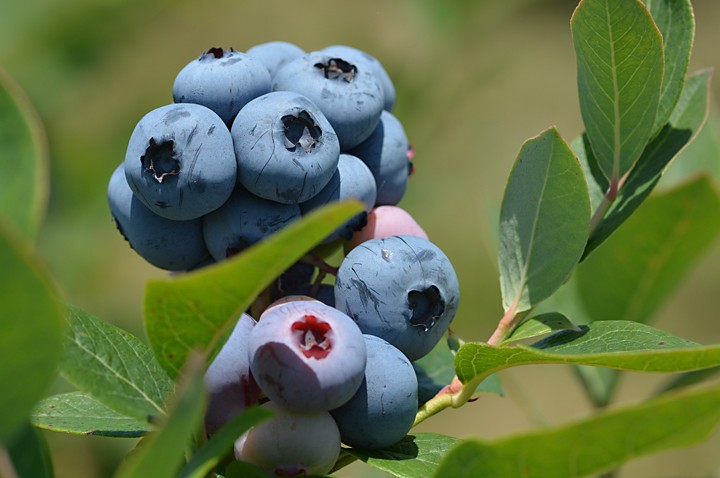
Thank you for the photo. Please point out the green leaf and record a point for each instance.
(608, 440)
(637, 269)
(29, 453)
(543, 221)
(542, 324)
(79, 413)
(690, 378)
(162, 453)
(416, 455)
(114, 367)
(614, 344)
(24, 183)
(597, 183)
(437, 369)
(687, 119)
(675, 20)
(599, 383)
(194, 311)
(31, 329)
(206, 458)
(620, 70)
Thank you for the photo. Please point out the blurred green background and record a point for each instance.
(474, 79)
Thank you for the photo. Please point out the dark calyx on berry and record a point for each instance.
(215, 51)
(314, 341)
(336, 68)
(427, 307)
(159, 159)
(300, 130)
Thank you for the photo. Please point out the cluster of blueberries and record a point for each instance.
(251, 143)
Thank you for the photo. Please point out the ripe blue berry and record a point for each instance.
(402, 289)
(349, 95)
(222, 80)
(275, 54)
(286, 149)
(229, 383)
(169, 245)
(180, 161)
(383, 409)
(307, 356)
(291, 443)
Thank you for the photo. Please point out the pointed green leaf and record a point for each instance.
(637, 269)
(608, 440)
(675, 20)
(416, 455)
(620, 70)
(79, 413)
(221, 443)
(31, 329)
(597, 183)
(196, 310)
(687, 119)
(544, 221)
(619, 345)
(162, 453)
(114, 367)
(24, 183)
(30, 454)
(542, 324)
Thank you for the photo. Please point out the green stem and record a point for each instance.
(604, 206)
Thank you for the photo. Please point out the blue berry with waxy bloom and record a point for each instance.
(291, 443)
(228, 381)
(353, 54)
(383, 409)
(402, 289)
(386, 153)
(222, 80)
(169, 245)
(243, 220)
(275, 54)
(286, 149)
(349, 95)
(352, 180)
(180, 161)
(307, 356)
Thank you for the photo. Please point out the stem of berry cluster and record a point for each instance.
(318, 262)
(604, 206)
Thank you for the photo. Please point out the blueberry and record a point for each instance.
(180, 161)
(222, 80)
(275, 54)
(228, 381)
(385, 221)
(169, 245)
(386, 154)
(307, 356)
(383, 409)
(286, 149)
(348, 94)
(352, 179)
(243, 220)
(402, 289)
(291, 444)
(353, 54)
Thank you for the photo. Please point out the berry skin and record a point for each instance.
(169, 245)
(383, 409)
(306, 356)
(349, 95)
(285, 147)
(275, 54)
(353, 54)
(242, 221)
(402, 289)
(222, 80)
(229, 383)
(180, 161)
(291, 443)
(385, 221)
(386, 154)
(352, 179)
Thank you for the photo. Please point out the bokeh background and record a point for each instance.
(474, 79)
